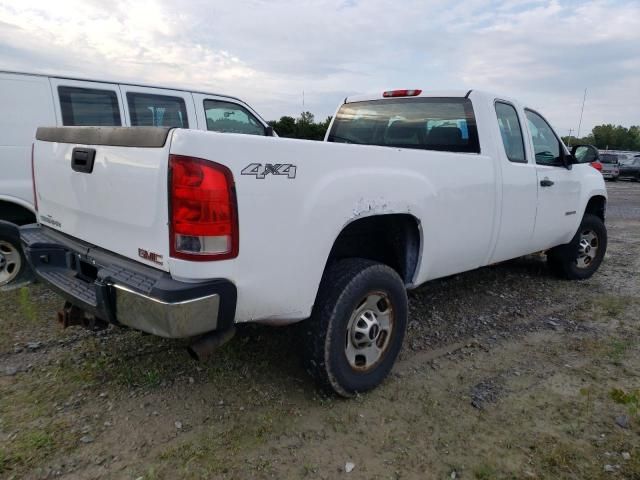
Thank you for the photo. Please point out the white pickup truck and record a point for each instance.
(183, 233)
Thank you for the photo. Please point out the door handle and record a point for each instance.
(82, 159)
(546, 182)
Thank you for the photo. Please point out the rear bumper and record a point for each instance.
(124, 292)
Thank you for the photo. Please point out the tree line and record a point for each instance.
(611, 137)
(304, 127)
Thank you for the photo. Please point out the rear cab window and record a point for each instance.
(229, 117)
(610, 158)
(442, 124)
(511, 132)
(152, 110)
(89, 107)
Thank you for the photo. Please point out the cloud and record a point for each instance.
(268, 52)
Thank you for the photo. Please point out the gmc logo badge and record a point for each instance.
(150, 256)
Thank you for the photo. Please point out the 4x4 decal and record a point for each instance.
(261, 171)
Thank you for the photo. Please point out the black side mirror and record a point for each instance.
(568, 159)
(268, 131)
(585, 153)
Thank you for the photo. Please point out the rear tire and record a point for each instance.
(13, 265)
(356, 327)
(580, 258)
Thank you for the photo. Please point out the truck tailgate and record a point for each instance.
(118, 201)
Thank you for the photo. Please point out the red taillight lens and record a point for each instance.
(401, 93)
(597, 166)
(203, 212)
(33, 180)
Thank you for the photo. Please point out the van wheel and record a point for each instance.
(357, 326)
(13, 265)
(580, 258)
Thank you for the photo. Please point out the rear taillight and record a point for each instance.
(33, 180)
(202, 209)
(597, 166)
(401, 93)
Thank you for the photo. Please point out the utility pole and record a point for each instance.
(581, 112)
(303, 100)
(569, 142)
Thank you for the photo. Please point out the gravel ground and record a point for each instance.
(507, 372)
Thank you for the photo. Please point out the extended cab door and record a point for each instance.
(158, 107)
(558, 187)
(223, 114)
(519, 191)
(84, 103)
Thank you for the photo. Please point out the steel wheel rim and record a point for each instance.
(588, 247)
(369, 331)
(10, 262)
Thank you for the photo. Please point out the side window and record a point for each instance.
(89, 107)
(157, 110)
(511, 132)
(545, 143)
(229, 117)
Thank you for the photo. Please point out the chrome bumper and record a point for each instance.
(186, 318)
(124, 292)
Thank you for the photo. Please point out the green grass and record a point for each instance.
(631, 400)
(27, 306)
(485, 472)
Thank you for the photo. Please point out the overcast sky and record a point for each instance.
(544, 53)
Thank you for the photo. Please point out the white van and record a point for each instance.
(28, 101)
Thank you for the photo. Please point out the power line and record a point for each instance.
(581, 112)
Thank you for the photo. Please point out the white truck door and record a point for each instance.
(519, 191)
(558, 187)
(158, 107)
(84, 103)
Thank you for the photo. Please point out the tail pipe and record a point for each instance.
(206, 345)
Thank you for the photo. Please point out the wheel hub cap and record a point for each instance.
(369, 331)
(587, 248)
(10, 262)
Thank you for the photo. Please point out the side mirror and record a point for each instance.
(585, 153)
(268, 131)
(568, 160)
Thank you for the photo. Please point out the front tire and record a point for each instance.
(580, 258)
(357, 326)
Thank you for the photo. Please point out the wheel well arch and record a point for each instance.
(394, 239)
(16, 213)
(597, 205)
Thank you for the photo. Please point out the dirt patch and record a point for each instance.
(507, 372)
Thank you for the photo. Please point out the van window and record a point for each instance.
(444, 124)
(87, 106)
(230, 117)
(157, 110)
(511, 132)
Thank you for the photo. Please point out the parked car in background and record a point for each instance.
(630, 168)
(30, 101)
(611, 165)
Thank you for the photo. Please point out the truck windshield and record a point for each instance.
(444, 124)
